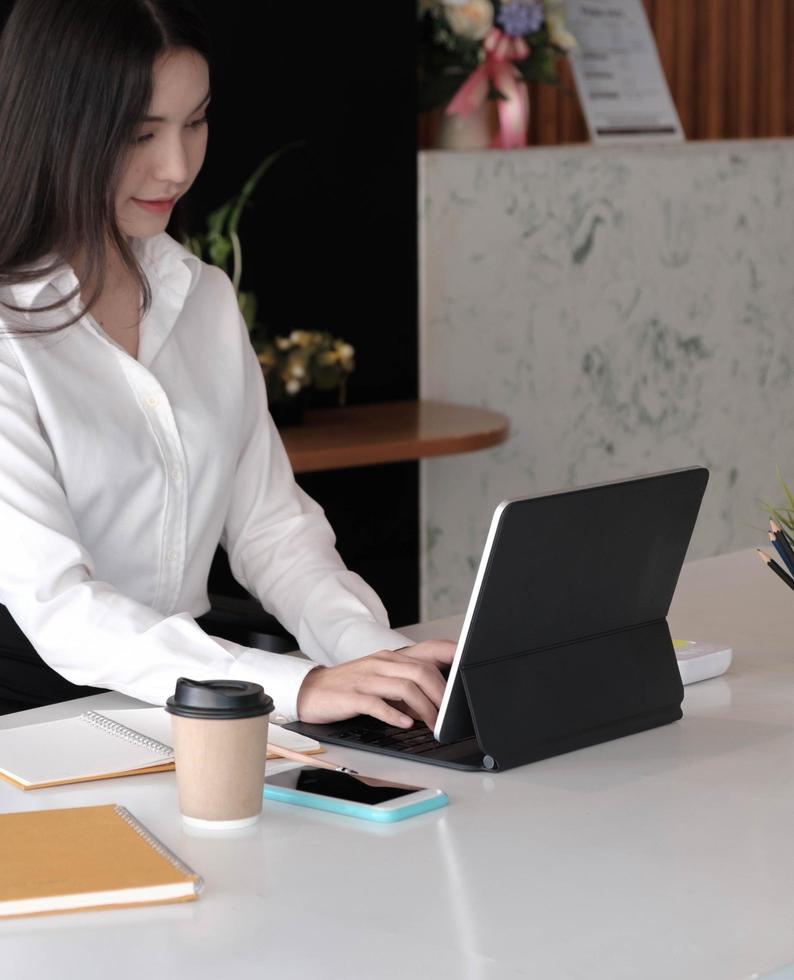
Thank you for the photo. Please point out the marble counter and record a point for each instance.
(630, 309)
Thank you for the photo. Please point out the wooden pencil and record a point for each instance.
(777, 544)
(776, 568)
(785, 543)
(309, 760)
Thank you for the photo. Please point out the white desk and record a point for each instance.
(664, 855)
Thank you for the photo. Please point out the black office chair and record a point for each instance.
(238, 616)
(244, 621)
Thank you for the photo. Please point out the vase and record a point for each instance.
(288, 411)
(471, 132)
(292, 410)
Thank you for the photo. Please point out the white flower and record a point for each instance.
(559, 34)
(293, 386)
(471, 19)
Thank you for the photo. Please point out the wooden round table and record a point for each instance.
(389, 432)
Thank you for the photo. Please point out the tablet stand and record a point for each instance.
(544, 702)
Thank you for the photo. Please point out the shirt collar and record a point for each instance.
(160, 255)
(168, 259)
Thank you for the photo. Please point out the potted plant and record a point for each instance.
(295, 364)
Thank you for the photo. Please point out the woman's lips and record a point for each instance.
(157, 207)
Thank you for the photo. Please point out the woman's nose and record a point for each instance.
(172, 164)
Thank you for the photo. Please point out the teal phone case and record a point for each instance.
(283, 795)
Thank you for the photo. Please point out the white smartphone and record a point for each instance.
(352, 794)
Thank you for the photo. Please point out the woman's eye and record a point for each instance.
(196, 124)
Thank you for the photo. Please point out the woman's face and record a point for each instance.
(169, 144)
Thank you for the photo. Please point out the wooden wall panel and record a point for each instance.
(683, 75)
(788, 45)
(741, 119)
(729, 64)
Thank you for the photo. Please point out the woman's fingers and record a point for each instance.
(378, 708)
(405, 690)
(425, 677)
(367, 685)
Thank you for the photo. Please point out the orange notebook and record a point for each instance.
(87, 857)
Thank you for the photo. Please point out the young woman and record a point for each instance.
(134, 431)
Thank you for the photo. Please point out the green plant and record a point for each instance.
(315, 359)
(221, 239)
(783, 515)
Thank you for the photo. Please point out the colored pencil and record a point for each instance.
(786, 534)
(781, 553)
(785, 550)
(776, 568)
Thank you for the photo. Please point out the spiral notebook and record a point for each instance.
(86, 857)
(105, 745)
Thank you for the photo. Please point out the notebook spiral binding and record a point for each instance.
(128, 734)
(158, 845)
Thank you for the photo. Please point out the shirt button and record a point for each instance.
(152, 400)
(176, 475)
(172, 555)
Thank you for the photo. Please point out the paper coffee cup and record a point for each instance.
(219, 732)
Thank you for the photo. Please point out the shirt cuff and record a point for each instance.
(281, 675)
(362, 638)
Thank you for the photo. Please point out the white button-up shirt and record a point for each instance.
(118, 478)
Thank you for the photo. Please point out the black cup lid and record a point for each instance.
(218, 699)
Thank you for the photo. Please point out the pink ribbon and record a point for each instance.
(498, 70)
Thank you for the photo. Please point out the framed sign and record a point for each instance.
(621, 84)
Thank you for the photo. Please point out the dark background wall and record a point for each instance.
(331, 241)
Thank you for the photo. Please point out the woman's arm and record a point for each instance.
(82, 627)
(282, 549)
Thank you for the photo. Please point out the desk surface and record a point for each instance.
(662, 855)
(389, 432)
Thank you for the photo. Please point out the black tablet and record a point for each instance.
(560, 570)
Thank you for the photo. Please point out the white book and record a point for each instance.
(103, 745)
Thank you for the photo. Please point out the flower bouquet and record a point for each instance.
(306, 359)
(473, 51)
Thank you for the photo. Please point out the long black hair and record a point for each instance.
(75, 80)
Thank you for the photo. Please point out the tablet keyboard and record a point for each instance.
(415, 740)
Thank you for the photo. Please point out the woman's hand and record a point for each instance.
(409, 677)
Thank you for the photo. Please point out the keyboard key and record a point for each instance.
(416, 740)
(404, 736)
(419, 749)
